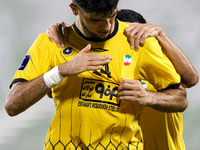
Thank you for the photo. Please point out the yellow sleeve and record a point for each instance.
(37, 61)
(155, 67)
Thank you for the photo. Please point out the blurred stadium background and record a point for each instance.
(20, 23)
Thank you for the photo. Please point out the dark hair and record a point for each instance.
(128, 15)
(97, 6)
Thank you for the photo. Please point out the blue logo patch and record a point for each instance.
(24, 62)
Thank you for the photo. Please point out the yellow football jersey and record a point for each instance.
(161, 131)
(88, 114)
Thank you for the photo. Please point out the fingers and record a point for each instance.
(59, 37)
(135, 42)
(55, 34)
(95, 59)
(128, 88)
(137, 34)
(130, 38)
(50, 34)
(99, 57)
(132, 90)
(86, 49)
(140, 39)
(128, 84)
(83, 61)
(94, 67)
(91, 61)
(102, 60)
(65, 29)
(134, 35)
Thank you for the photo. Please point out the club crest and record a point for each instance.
(68, 51)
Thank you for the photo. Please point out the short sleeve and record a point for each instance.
(37, 61)
(155, 67)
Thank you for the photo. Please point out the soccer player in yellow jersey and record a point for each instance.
(95, 82)
(156, 126)
(162, 130)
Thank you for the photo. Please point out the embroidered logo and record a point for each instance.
(127, 60)
(24, 62)
(68, 51)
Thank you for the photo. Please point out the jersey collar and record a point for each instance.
(95, 39)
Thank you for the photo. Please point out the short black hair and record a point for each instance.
(127, 15)
(97, 6)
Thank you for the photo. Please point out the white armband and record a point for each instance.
(52, 77)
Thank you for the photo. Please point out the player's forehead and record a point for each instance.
(98, 16)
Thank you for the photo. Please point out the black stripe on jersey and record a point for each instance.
(17, 80)
(97, 39)
(98, 50)
(174, 86)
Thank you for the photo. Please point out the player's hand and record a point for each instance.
(137, 33)
(83, 61)
(58, 33)
(132, 90)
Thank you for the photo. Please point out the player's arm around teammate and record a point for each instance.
(189, 75)
(167, 100)
(22, 95)
(170, 100)
(58, 33)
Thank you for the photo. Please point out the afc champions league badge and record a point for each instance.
(68, 51)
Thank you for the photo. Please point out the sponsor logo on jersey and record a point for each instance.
(24, 62)
(68, 51)
(99, 91)
(127, 60)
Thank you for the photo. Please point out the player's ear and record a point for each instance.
(74, 9)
